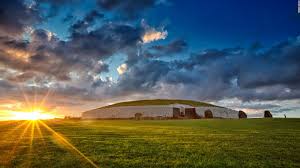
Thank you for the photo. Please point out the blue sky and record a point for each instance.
(88, 53)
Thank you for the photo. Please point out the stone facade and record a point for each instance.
(218, 112)
(158, 111)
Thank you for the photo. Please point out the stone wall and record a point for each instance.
(153, 111)
(218, 112)
(129, 112)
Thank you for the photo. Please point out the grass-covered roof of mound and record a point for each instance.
(160, 102)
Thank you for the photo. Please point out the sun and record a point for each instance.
(36, 114)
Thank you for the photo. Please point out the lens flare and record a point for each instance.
(33, 115)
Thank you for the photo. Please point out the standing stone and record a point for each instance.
(208, 114)
(138, 116)
(242, 114)
(268, 114)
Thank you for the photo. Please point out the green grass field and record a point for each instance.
(165, 143)
(160, 102)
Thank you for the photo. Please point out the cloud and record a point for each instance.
(54, 6)
(174, 47)
(68, 18)
(141, 77)
(154, 35)
(46, 54)
(15, 17)
(81, 26)
(41, 35)
(128, 9)
(71, 68)
(212, 74)
(5, 85)
(122, 69)
(286, 109)
(75, 67)
(104, 41)
(282, 59)
(22, 77)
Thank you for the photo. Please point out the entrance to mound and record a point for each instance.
(176, 112)
(191, 113)
(138, 116)
(208, 114)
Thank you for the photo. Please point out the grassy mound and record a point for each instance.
(160, 102)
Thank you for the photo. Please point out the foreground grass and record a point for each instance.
(170, 143)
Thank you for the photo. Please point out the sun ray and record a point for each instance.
(9, 133)
(24, 95)
(28, 161)
(32, 134)
(44, 99)
(3, 123)
(68, 144)
(34, 97)
(40, 133)
(16, 144)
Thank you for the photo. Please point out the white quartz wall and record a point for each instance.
(129, 112)
(218, 112)
(153, 111)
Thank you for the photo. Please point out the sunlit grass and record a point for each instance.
(21, 136)
(169, 143)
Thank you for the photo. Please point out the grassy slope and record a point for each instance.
(159, 102)
(167, 143)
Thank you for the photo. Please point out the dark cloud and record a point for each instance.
(143, 76)
(36, 56)
(174, 47)
(103, 42)
(129, 9)
(54, 6)
(81, 26)
(74, 68)
(46, 59)
(4, 85)
(22, 77)
(12, 43)
(40, 35)
(246, 74)
(82, 53)
(15, 17)
(68, 18)
(277, 66)
(259, 106)
(90, 17)
(285, 110)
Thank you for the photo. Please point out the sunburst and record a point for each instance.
(34, 115)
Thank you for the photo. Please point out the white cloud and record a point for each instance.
(122, 69)
(152, 34)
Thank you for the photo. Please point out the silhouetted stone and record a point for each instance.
(208, 114)
(268, 114)
(242, 114)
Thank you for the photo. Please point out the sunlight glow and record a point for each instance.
(34, 115)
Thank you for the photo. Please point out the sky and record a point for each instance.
(69, 56)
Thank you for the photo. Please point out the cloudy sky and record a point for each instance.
(69, 56)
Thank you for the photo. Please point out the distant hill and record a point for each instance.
(160, 102)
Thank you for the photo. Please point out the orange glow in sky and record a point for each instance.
(33, 115)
